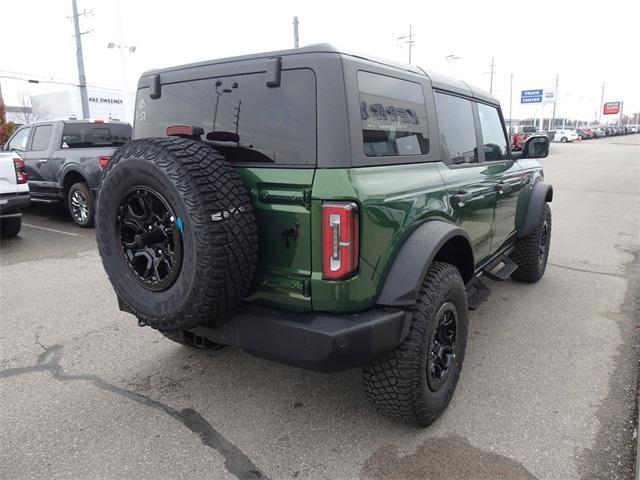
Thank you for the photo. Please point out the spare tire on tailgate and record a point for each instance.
(176, 232)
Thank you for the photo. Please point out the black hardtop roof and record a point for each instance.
(440, 82)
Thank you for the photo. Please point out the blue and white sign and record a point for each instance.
(531, 96)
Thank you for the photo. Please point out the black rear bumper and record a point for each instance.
(316, 341)
(12, 203)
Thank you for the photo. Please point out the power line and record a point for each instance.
(408, 39)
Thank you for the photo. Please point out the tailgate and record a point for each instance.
(7, 174)
(282, 198)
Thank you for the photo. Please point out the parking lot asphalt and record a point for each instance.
(548, 388)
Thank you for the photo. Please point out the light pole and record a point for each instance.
(449, 59)
(123, 68)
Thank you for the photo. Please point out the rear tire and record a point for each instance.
(532, 252)
(81, 205)
(10, 227)
(564, 139)
(404, 384)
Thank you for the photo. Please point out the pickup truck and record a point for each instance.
(14, 193)
(64, 160)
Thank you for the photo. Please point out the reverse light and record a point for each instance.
(104, 161)
(21, 172)
(340, 239)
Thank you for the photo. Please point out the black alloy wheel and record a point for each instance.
(150, 237)
(442, 346)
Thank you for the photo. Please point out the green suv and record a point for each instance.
(323, 210)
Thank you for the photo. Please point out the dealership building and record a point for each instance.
(103, 104)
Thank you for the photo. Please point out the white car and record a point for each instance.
(565, 135)
(14, 193)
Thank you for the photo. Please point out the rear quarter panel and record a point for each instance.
(393, 201)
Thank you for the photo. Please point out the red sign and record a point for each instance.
(611, 108)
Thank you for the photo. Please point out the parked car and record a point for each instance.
(588, 133)
(564, 135)
(519, 134)
(599, 132)
(65, 158)
(372, 241)
(14, 193)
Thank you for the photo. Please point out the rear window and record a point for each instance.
(275, 126)
(41, 137)
(394, 116)
(93, 135)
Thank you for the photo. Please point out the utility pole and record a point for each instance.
(82, 81)
(510, 103)
(601, 105)
(409, 40)
(296, 42)
(555, 101)
(491, 76)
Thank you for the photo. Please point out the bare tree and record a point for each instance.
(31, 110)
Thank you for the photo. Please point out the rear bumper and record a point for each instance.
(316, 341)
(13, 203)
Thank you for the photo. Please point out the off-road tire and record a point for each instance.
(10, 227)
(83, 189)
(397, 384)
(214, 215)
(531, 266)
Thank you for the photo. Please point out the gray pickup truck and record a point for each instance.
(64, 160)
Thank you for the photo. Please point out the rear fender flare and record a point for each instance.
(414, 258)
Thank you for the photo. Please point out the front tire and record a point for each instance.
(532, 252)
(415, 382)
(564, 139)
(81, 205)
(10, 227)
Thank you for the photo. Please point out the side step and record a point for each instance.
(500, 269)
(477, 292)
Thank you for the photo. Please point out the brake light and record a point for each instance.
(21, 173)
(104, 161)
(98, 121)
(340, 239)
(179, 131)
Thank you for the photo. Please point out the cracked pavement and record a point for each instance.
(547, 391)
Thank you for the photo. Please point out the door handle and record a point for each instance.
(43, 160)
(461, 197)
(503, 187)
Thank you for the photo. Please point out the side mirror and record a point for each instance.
(536, 146)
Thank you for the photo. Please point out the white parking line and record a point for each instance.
(52, 230)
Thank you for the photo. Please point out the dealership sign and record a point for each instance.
(531, 96)
(611, 108)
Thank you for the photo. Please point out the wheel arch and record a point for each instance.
(541, 193)
(70, 176)
(434, 240)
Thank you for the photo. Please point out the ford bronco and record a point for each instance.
(324, 210)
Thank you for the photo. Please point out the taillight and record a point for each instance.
(21, 173)
(104, 161)
(340, 239)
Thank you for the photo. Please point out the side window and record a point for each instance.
(495, 143)
(457, 128)
(19, 140)
(41, 137)
(394, 116)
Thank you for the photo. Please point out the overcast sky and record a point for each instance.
(586, 43)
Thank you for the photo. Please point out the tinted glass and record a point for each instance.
(41, 136)
(93, 135)
(274, 125)
(19, 140)
(495, 143)
(457, 128)
(394, 116)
